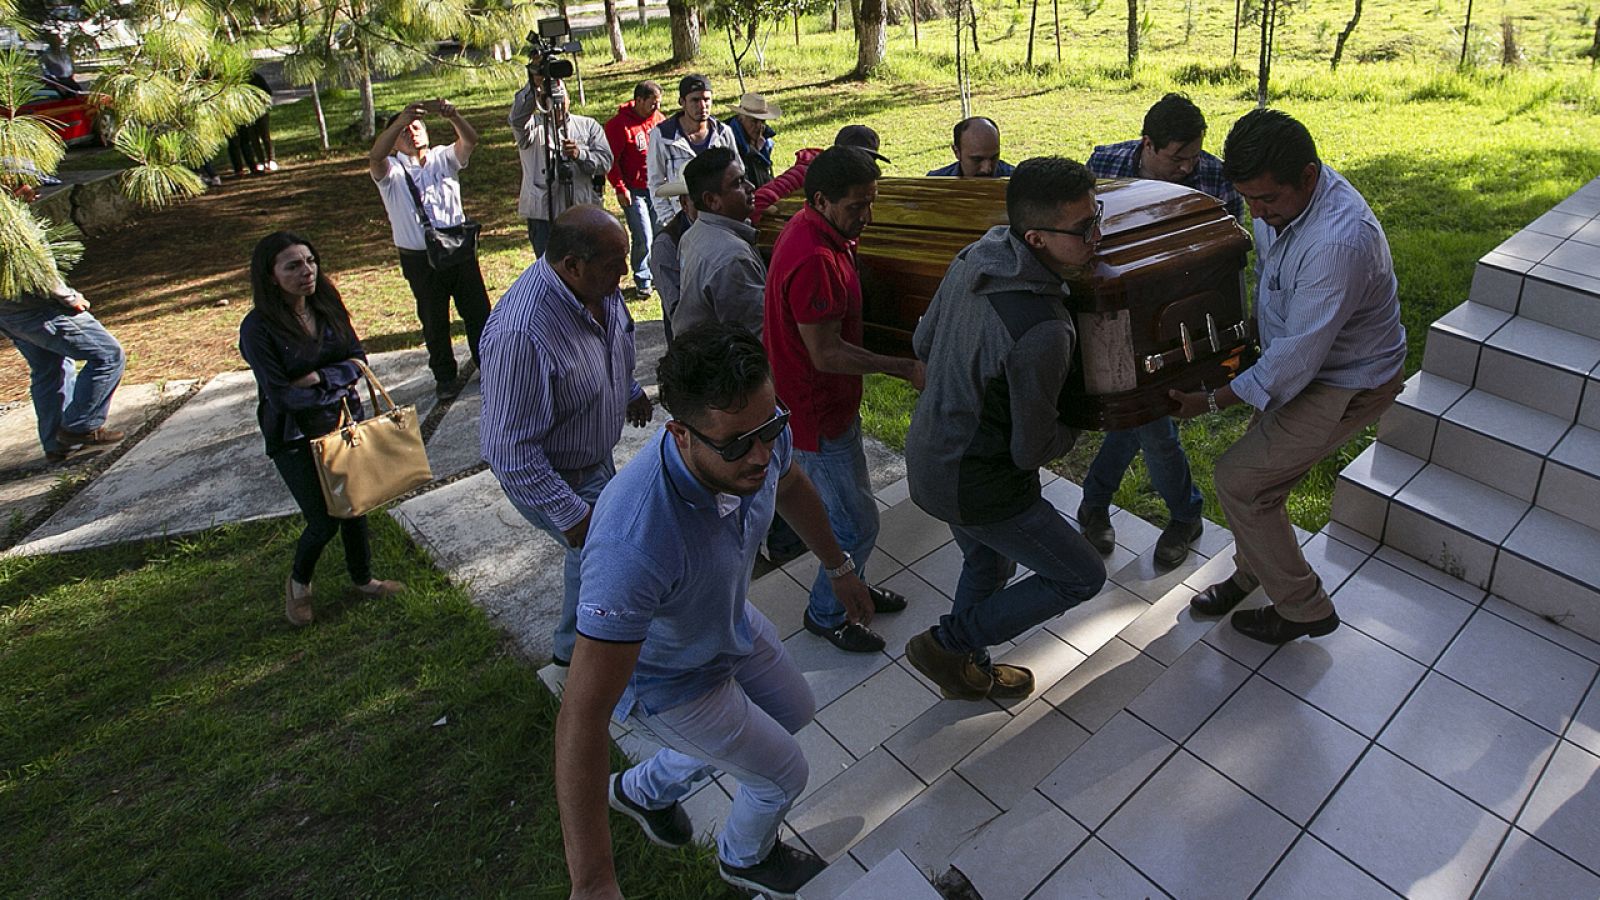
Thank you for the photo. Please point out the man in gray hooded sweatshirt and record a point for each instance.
(997, 342)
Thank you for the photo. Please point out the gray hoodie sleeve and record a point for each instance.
(1036, 370)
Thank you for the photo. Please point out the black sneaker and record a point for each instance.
(665, 827)
(1095, 522)
(780, 876)
(848, 636)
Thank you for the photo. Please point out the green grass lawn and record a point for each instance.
(1452, 161)
(164, 733)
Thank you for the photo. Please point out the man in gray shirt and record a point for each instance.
(722, 278)
(997, 340)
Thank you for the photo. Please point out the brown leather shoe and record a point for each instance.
(1010, 682)
(297, 603)
(84, 438)
(957, 676)
(377, 590)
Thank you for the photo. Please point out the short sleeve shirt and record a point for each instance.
(667, 562)
(441, 194)
(812, 279)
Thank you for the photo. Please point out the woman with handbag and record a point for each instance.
(303, 351)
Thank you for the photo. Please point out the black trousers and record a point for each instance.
(300, 474)
(433, 289)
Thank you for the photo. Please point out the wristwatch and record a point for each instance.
(1211, 401)
(848, 567)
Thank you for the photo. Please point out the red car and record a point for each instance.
(78, 119)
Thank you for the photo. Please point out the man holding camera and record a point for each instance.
(416, 179)
(565, 156)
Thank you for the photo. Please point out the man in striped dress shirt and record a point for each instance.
(1333, 356)
(558, 358)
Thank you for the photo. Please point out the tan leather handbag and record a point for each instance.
(363, 465)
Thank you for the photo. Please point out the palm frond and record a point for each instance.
(29, 263)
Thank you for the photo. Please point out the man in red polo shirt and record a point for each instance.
(813, 336)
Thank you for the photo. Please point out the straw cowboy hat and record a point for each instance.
(757, 107)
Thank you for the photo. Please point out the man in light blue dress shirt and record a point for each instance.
(1332, 360)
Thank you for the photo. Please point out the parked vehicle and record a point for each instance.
(80, 119)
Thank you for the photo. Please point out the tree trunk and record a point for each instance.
(1594, 48)
(1238, 12)
(619, 53)
(1033, 21)
(1269, 12)
(797, 28)
(368, 112)
(738, 61)
(916, 36)
(1466, 35)
(644, 16)
(685, 32)
(1133, 35)
(1338, 48)
(872, 37)
(1055, 12)
(322, 121)
(833, 20)
(972, 21)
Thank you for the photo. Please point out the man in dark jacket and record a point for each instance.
(997, 341)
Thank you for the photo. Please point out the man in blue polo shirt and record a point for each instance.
(1169, 149)
(665, 634)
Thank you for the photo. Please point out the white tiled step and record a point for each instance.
(1410, 425)
(1550, 565)
(1363, 491)
(1496, 441)
(1455, 340)
(1452, 522)
(1571, 483)
(1537, 365)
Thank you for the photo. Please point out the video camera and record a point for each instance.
(546, 46)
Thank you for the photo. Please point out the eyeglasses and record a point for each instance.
(1088, 228)
(734, 449)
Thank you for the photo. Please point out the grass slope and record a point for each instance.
(164, 733)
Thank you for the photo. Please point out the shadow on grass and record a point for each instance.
(165, 733)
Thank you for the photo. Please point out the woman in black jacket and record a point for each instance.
(302, 349)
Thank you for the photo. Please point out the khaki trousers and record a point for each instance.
(1254, 478)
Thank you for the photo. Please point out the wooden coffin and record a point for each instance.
(1161, 307)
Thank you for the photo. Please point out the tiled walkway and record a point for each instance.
(1440, 744)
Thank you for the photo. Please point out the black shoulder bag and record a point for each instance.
(447, 247)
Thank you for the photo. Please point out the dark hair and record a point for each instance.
(689, 84)
(838, 169)
(856, 136)
(717, 365)
(1038, 188)
(1268, 141)
(646, 89)
(571, 236)
(1174, 119)
(390, 121)
(705, 172)
(964, 124)
(267, 297)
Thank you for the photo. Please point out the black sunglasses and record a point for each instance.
(1088, 228)
(734, 449)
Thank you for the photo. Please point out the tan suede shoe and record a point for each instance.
(377, 590)
(297, 603)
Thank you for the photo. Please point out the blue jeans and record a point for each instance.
(1066, 572)
(1163, 457)
(587, 483)
(745, 727)
(839, 470)
(50, 339)
(640, 233)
